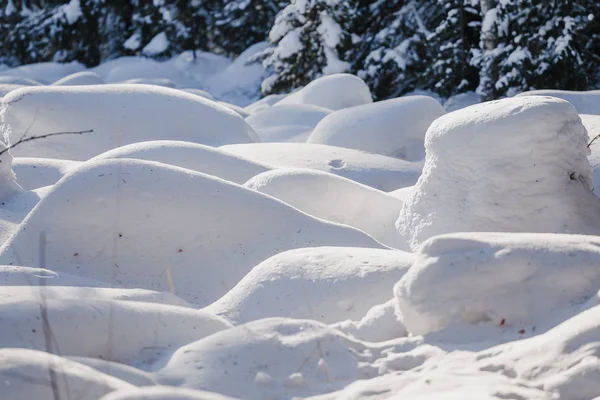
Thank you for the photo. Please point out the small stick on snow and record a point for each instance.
(593, 140)
(24, 139)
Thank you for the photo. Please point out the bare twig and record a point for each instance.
(47, 135)
(593, 140)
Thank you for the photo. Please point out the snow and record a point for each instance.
(587, 102)
(326, 284)
(521, 282)
(380, 172)
(170, 255)
(25, 374)
(394, 128)
(493, 151)
(192, 156)
(118, 115)
(80, 78)
(120, 230)
(159, 44)
(334, 92)
(293, 122)
(327, 196)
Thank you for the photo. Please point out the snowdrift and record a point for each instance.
(286, 123)
(326, 284)
(122, 331)
(149, 225)
(35, 173)
(25, 374)
(118, 115)
(335, 91)
(380, 172)
(270, 358)
(192, 156)
(80, 78)
(522, 282)
(513, 165)
(335, 199)
(587, 102)
(394, 128)
(45, 72)
(164, 393)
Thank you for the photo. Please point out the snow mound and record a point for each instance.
(461, 100)
(151, 81)
(327, 284)
(201, 93)
(137, 332)
(17, 80)
(46, 72)
(379, 324)
(513, 165)
(520, 281)
(585, 102)
(118, 115)
(80, 78)
(240, 110)
(34, 173)
(164, 393)
(334, 92)
(335, 199)
(263, 103)
(268, 359)
(278, 124)
(394, 128)
(125, 68)
(159, 227)
(25, 374)
(381, 172)
(12, 275)
(120, 371)
(6, 88)
(192, 156)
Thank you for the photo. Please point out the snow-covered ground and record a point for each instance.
(186, 240)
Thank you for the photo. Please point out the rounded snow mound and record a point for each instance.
(265, 102)
(375, 170)
(151, 81)
(154, 226)
(18, 80)
(45, 72)
(394, 128)
(334, 92)
(164, 393)
(585, 102)
(80, 78)
(25, 374)
(336, 199)
(513, 165)
(201, 93)
(520, 281)
(327, 284)
(6, 88)
(292, 122)
(272, 358)
(137, 332)
(35, 173)
(197, 157)
(118, 115)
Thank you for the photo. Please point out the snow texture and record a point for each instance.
(380, 172)
(118, 115)
(584, 102)
(326, 284)
(334, 92)
(394, 128)
(488, 169)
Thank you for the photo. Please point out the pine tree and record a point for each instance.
(392, 53)
(450, 44)
(310, 38)
(241, 23)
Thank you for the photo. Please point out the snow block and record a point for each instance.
(394, 128)
(149, 225)
(513, 165)
(516, 281)
(335, 199)
(335, 92)
(327, 284)
(118, 115)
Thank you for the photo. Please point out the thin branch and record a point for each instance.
(24, 139)
(589, 144)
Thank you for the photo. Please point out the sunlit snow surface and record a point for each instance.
(203, 244)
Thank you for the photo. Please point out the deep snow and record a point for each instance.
(172, 255)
